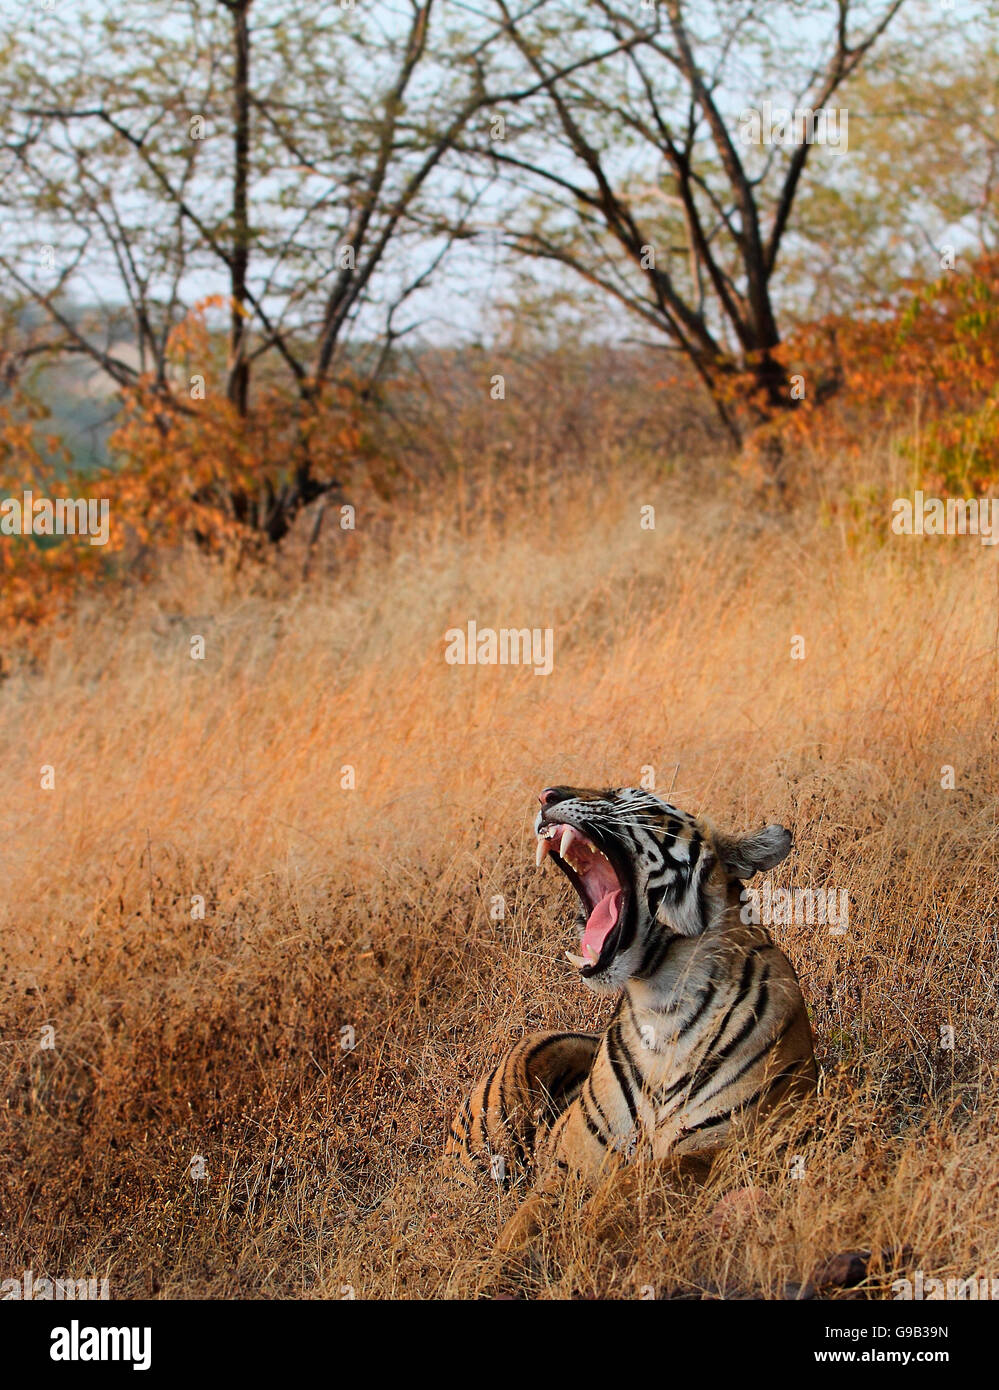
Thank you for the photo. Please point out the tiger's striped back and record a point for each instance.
(496, 1129)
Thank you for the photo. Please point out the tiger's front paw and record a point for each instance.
(733, 1212)
(524, 1226)
(519, 1247)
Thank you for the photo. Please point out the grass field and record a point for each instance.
(183, 1044)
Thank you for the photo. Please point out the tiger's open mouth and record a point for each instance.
(601, 887)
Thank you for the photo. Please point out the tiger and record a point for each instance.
(710, 1031)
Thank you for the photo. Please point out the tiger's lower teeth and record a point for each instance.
(590, 958)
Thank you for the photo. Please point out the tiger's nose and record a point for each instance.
(549, 794)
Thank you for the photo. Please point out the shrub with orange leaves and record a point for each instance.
(188, 466)
(37, 573)
(928, 365)
(191, 466)
(185, 466)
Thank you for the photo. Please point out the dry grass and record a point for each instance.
(369, 908)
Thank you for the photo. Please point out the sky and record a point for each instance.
(465, 300)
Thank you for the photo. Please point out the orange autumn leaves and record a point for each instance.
(927, 367)
(185, 467)
(194, 468)
(36, 574)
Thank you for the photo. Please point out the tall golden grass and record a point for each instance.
(178, 1038)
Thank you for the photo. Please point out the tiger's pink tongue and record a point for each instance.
(601, 922)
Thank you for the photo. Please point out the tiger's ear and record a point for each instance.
(743, 856)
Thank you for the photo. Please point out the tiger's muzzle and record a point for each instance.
(597, 868)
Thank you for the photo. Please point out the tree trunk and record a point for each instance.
(238, 387)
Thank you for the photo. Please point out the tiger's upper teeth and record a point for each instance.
(566, 841)
(542, 851)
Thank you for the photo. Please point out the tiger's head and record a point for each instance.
(645, 872)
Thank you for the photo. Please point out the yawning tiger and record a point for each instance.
(711, 1027)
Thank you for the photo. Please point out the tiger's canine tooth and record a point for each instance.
(566, 841)
(591, 955)
(577, 961)
(542, 850)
